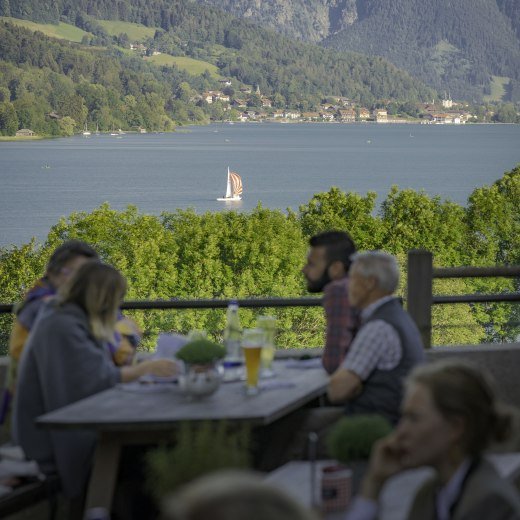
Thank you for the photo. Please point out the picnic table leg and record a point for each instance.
(103, 478)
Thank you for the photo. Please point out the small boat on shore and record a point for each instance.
(234, 187)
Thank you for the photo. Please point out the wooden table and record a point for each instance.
(122, 417)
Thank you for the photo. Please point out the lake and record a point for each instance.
(282, 165)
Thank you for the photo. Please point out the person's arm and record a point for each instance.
(339, 326)
(155, 367)
(344, 385)
(377, 345)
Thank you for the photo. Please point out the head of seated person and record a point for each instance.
(63, 263)
(66, 260)
(373, 275)
(233, 495)
(449, 412)
(450, 415)
(98, 290)
(328, 259)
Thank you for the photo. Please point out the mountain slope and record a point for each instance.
(301, 74)
(452, 46)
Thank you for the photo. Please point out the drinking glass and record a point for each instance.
(268, 325)
(252, 341)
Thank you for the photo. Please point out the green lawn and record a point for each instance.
(63, 31)
(136, 32)
(498, 88)
(20, 138)
(194, 67)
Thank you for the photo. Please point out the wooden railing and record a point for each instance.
(420, 299)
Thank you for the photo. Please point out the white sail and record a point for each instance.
(233, 187)
(228, 187)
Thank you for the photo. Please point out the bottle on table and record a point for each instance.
(232, 337)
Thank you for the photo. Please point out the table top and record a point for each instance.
(120, 409)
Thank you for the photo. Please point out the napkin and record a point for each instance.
(273, 384)
(304, 363)
(168, 345)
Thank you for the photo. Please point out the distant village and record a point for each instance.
(336, 109)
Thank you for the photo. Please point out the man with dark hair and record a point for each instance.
(64, 261)
(328, 262)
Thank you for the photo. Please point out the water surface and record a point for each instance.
(282, 165)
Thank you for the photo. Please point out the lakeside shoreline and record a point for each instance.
(185, 128)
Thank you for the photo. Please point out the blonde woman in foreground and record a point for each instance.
(449, 417)
(65, 359)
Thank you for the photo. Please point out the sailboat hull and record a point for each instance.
(229, 199)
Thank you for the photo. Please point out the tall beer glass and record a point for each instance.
(252, 341)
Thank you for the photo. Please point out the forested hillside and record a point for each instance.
(455, 46)
(451, 46)
(100, 81)
(260, 254)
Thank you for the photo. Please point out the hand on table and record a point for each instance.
(160, 367)
(154, 367)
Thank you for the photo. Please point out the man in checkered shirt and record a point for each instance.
(387, 346)
(328, 262)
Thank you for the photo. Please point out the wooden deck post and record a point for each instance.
(419, 300)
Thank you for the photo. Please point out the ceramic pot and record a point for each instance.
(199, 381)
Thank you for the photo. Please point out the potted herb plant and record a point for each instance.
(202, 371)
(351, 439)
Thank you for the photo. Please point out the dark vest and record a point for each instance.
(383, 390)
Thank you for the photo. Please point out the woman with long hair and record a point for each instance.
(449, 417)
(65, 359)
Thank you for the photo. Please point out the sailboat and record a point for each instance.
(234, 187)
(86, 132)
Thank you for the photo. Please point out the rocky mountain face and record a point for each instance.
(310, 20)
(468, 47)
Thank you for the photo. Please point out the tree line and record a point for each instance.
(229, 254)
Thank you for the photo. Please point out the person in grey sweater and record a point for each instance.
(65, 360)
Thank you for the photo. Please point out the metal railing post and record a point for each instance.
(420, 273)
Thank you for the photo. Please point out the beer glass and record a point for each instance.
(252, 341)
(268, 325)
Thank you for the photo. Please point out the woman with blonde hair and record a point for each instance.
(65, 360)
(449, 417)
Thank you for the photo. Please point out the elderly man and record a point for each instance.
(370, 378)
(328, 262)
(387, 346)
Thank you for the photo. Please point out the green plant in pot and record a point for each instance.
(199, 448)
(351, 439)
(202, 371)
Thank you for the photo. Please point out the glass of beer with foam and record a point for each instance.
(252, 341)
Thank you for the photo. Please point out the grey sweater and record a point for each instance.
(61, 363)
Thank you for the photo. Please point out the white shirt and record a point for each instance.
(376, 346)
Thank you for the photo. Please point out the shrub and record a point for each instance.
(352, 437)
